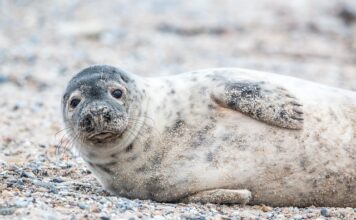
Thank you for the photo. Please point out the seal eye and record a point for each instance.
(117, 93)
(74, 103)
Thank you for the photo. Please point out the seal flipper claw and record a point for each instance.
(220, 196)
(262, 101)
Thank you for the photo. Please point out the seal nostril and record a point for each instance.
(107, 117)
(87, 123)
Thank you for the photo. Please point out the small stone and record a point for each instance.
(123, 206)
(7, 210)
(28, 175)
(7, 193)
(104, 218)
(53, 190)
(13, 168)
(41, 190)
(22, 203)
(57, 180)
(347, 14)
(297, 217)
(35, 167)
(66, 165)
(43, 184)
(11, 182)
(82, 206)
(94, 208)
(266, 208)
(270, 215)
(103, 201)
(3, 79)
(325, 212)
(158, 217)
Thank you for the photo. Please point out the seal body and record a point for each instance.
(288, 141)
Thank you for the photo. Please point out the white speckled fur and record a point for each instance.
(315, 165)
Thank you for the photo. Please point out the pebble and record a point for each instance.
(348, 14)
(3, 79)
(7, 193)
(28, 175)
(266, 208)
(57, 180)
(15, 183)
(83, 206)
(66, 165)
(22, 203)
(103, 201)
(270, 215)
(42, 184)
(123, 206)
(53, 190)
(297, 217)
(94, 208)
(7, 210)
(34, 166)
(13, 168)
(325, 212)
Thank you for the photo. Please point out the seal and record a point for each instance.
(215, 136)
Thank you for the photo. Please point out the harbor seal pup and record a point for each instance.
(217, 135)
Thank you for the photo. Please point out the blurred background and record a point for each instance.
(315, 39)
(44, 43)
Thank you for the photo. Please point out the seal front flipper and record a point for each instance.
(220, 196)
(262, 101)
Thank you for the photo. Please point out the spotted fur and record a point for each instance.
(222, 135)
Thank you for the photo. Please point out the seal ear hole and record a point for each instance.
(116, 93)
(74, 103)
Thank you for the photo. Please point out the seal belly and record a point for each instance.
(312, 166)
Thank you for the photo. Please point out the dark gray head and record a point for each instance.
(96, 104)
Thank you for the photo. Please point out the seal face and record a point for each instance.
(95, 105)
(215, 135)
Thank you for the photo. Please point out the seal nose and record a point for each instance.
(107, 117)
(101, 114)
(96, 118)
(88, 123)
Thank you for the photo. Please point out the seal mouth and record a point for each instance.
(103, 136)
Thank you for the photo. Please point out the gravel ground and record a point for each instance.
(43, 43)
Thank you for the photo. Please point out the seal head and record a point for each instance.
(95, 105)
